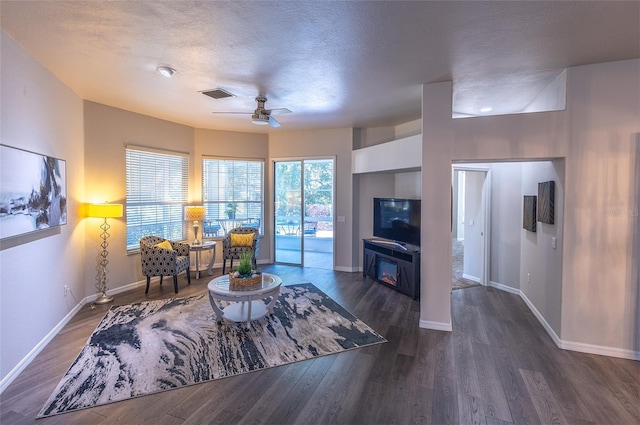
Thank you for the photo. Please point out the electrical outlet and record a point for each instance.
(66, 290)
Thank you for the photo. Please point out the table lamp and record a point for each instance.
(195, 214)
(104, 211)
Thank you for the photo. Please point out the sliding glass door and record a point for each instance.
(303, 214)
(288, 211)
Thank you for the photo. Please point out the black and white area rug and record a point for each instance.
(148, 347)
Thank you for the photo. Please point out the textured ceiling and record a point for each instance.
(334, 64)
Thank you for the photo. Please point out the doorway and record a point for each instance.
(303, 212)
(470, 226)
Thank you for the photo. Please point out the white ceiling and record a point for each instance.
(334, 64)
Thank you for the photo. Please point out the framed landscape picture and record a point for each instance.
(33, 192)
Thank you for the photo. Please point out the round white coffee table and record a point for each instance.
(246, 305)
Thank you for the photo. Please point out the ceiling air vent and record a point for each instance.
(217, 93)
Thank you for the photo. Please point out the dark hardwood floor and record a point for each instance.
(498, 366)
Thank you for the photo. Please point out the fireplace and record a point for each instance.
(392, 265)
(387, 271)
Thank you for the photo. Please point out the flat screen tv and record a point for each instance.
(397, 219)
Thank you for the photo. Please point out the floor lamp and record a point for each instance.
(195, 214)
(104, 211)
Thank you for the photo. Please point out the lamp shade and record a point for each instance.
(194, 213)
(104, 210)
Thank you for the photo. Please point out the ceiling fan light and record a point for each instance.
(260, 119)
(166, 71)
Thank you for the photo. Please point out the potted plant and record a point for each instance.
(245, 276)
(231, 210)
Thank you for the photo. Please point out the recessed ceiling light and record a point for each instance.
(166, 71)
(486, 109)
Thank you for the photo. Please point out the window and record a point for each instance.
(232, 192)
(157, 190)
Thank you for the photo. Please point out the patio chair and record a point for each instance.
(252, 222)
(161, 257)
(210, 228)
(310, 228)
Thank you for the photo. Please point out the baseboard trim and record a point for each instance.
(347, 269)
(13, 374)
(125, 288)
(541, 319)
(504, 288)
(600, 350)
(471, 278)
(436, 326)
(569, 345)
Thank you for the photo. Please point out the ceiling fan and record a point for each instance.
(262, 116)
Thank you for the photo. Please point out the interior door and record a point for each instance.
(471, 211)
(474, 220)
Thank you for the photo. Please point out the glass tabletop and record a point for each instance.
(220, 285)
(203, 245)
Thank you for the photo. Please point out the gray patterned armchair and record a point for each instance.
(233, 246)
(161, 261)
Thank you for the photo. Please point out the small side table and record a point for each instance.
(204, 246)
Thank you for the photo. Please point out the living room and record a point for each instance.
(596, 136)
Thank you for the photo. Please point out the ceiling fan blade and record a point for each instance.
(228, 112)
(277, 111)
(273, 123)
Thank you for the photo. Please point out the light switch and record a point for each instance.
(341, 219)
(554, 242)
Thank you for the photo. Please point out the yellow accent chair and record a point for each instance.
(237, 242)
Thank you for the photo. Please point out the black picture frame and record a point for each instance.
(33, 192)
(546, 202)
(529, 213)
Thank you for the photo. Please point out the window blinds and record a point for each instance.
(233, 190)
(157, 190)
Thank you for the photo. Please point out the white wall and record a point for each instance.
(364, 137)
(41, 115)
(233, 144)
(506, 223)
(540, 263)
(403, 183)
(371, 136)
(369, 186)
(596, 136)
(598, 273)
(408, 185)
(327, 143)
(552, 98)
(411, 128)
(107, 132)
